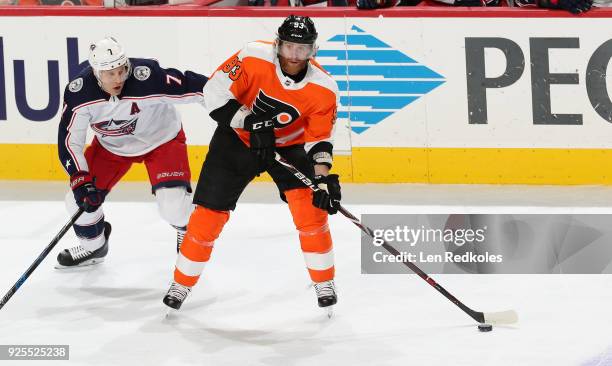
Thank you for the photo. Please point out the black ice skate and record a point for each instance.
(79, 257)
(326, 295)
(176, 295)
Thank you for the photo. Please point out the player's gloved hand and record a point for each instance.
(86, 195)
(573, 6)
(576, 6)
(376, 4)
(328, 196)
(262, 140)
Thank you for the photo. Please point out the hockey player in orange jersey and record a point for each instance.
(270, 96)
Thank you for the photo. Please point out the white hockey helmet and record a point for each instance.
(107, 54)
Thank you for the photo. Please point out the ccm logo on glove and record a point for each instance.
(263, 124)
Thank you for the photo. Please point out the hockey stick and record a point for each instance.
(40, 258)
(501, 317)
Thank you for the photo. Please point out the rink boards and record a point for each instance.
(446, 96)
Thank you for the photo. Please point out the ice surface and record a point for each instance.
(253, 305)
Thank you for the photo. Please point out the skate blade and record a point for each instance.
(87, 263)
(329, 311)
(170, 313)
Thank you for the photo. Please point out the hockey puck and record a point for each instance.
(485, 327)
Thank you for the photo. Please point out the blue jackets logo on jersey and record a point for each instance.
(115, 128)
(142, 73)
(382, 80)
(76, 85)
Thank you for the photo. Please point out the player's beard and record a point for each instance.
(291, 67)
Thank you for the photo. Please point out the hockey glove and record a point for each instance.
(573, 6)
(86, 195)
(376, 4)
(259, 122)
(262, 140)
(328, 196)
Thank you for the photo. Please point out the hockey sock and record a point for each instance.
(315, 238)
(203, 229)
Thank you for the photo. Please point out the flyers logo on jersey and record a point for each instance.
(284, 113)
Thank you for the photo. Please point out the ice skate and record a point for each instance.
(175, 296)
(80, 257)
(326, 295)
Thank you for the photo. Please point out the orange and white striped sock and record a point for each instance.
(315, 238)
(203, 229)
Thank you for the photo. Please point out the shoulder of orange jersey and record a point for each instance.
(262, 50)
(322, 78)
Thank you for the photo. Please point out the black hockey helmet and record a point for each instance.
(298, 29)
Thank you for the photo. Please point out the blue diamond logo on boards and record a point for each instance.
(381, 80)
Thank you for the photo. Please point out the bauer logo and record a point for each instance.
(383, 80)
(170, 175)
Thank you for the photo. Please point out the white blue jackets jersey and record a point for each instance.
(133, 123)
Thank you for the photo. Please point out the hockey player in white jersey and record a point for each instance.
(128, 103)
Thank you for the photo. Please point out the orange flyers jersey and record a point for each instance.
(306, 110)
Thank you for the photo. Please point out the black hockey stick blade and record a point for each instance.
(502, 317)
(40, 258)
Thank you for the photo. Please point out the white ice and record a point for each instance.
(253, 305)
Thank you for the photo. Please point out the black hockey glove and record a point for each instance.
(328, 196)
(573, 6)
(86, 195)
(262, 140)
(376, 4)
